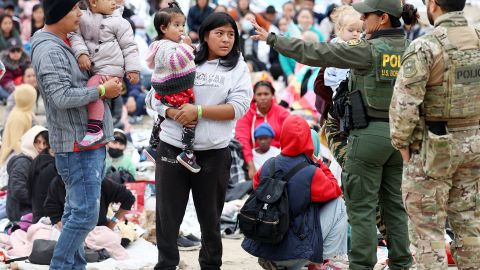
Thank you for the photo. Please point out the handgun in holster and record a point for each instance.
(346, 120)
(359, 115)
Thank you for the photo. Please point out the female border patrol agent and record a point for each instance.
(373, 169)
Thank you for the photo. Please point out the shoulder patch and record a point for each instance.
(353, 42)
(409, 68)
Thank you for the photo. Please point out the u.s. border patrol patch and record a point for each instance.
(409, 68)
(353, 42)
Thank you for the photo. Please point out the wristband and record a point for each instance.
(102, 90)
(199, 111)
(114, 219)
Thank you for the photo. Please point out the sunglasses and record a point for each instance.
(16, 50)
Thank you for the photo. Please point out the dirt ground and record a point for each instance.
(234, 257)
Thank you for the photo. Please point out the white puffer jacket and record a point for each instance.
(109, 42)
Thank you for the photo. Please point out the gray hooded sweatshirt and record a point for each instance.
(214, 85)
(63, 88)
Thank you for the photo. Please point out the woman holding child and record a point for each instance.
(222, 90)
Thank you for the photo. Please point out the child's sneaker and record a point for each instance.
(150, 153)
(91, 139)
(189, 161)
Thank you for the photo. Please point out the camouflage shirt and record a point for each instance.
(422, 65)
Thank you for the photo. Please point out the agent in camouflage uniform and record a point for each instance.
(434, 122)
(372, 171)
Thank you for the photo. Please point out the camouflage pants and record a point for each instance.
(444, 180)
(336, 139)
(337, 143)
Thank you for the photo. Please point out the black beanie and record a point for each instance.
(55, 10)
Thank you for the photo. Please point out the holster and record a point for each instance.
(359, 115)
(437, 128)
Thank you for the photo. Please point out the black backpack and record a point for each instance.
(265, 215)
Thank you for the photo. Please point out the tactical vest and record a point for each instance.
(376, 84)
(459, 95)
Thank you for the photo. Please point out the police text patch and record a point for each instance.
(390, 65)
(467, 74)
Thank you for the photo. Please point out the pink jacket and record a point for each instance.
(103, 237)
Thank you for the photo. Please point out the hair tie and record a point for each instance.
(173, 4)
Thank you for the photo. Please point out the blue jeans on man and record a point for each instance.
(82, 173)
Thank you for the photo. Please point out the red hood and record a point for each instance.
(296, 137)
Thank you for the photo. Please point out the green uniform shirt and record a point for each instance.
(355, 54)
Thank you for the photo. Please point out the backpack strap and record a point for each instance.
(271, 167)
(294, 170)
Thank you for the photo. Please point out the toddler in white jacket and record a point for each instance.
(104, 45)
(348, 26)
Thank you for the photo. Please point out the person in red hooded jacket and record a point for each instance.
(264, 109)
(313, 188)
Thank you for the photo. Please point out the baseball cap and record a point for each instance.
(392, 7)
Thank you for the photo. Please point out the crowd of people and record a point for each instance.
(229, 92)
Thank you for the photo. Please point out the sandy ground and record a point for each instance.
(234, 257)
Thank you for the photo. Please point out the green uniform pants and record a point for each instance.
(372, 176)
(337, 143)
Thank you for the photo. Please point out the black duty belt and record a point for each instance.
(373, 119)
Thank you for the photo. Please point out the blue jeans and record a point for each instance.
(82, 173)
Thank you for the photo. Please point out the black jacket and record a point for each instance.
(18, 203)
(111, 193)
(42, 172)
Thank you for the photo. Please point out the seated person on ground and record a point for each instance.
(116, 157)
(263, 135)
(33, 142)
(110, 193)
(315, 205)
(41, 173)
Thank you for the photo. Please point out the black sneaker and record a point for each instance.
(185, 244)
(150, 153)
(189, 163)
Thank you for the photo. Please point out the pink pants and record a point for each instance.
(95, 109)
